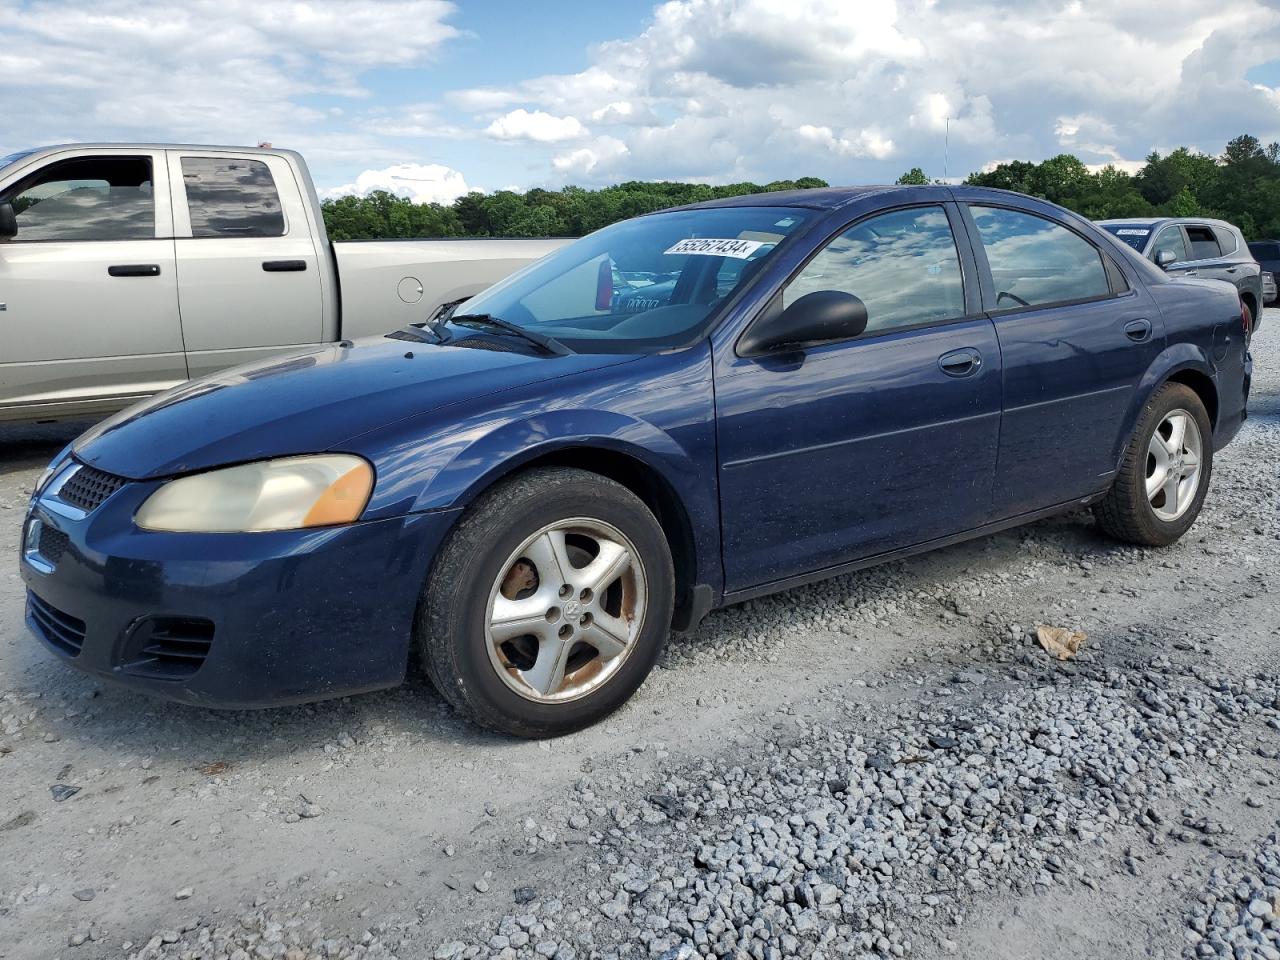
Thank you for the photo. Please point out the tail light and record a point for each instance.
(604, 285)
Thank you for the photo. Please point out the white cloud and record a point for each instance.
(421, 183)
(585, 161)
(541, 127)
(204, 70)
(721, 89)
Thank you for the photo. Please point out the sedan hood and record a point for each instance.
(307, 402)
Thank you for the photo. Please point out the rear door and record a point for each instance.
(249, 282)
(1075, 338)
(864, 446)
(88, 288)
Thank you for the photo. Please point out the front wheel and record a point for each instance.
(549, 604)
(1165, 474)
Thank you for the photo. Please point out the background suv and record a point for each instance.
(1193, 247)
(1267, 253)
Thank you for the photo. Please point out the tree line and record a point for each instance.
(1242, 186)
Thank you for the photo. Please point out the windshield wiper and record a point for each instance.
(539, 340)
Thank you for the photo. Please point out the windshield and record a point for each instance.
(644, 284)
(1132, 234)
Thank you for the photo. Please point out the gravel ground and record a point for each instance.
(885, 764)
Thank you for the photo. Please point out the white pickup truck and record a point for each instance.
(128, 268)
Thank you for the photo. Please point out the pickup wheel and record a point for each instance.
(1165, 474)
(549, 603)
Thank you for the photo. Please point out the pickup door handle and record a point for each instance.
(960, 363)
(134, 270)
(1139, 331)
(284, 266)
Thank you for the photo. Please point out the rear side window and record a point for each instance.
(88, 198)
(231, 198)
(1204, 244)
(1035, 261)
(903, 265)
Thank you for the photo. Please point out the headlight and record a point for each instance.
(285, 494)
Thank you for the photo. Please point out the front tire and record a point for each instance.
(549, 603)
(1165, 473)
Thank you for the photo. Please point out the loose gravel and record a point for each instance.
(882, 765)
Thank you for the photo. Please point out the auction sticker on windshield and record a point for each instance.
(1129, 232)
(707, 247)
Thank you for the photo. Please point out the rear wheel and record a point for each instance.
(1165, 474)
(549, 604)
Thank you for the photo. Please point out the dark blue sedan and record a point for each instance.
(535, 490)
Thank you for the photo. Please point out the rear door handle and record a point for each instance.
(284, 266)
(1139, 331)
(134, 270)
(960, 363)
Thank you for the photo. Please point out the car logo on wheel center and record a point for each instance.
(572, 608)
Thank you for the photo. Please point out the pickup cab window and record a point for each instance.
(231, 198)
(87, 198)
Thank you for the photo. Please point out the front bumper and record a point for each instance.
(226, 620)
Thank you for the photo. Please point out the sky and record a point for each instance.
(430, 98)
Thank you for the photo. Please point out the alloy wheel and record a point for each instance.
(1174, 456)
(565, 610)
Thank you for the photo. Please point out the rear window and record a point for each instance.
(231, 198)
(1265, 251)
(1134, 236)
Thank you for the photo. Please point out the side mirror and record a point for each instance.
(8, 220)
(820, 317)
(1164, 258)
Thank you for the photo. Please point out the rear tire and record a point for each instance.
(549, 603)
(1156, 497)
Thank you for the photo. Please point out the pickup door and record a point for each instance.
(249, 282)
(88, 290)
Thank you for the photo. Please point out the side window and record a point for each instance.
(1170, 239)
(1035, 261)
(231, 198)
(88, 198)
(1204, 245)
(903, 265)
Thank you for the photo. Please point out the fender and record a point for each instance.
(442, 462)
(1172, 360)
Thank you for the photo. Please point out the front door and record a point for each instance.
(248, 266)
(853, 449)
(1075, 337)
(88, 290)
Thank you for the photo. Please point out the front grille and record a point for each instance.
(88, 488)
(167, 648)
(52, 543)
(61, 630)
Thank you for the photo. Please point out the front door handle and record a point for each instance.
(960, 363)
(1139, 331)
(284, 266)
(134, 270)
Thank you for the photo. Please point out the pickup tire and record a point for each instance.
(1156, 497)
(549, 603)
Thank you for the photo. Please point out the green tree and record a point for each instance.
(913, 177)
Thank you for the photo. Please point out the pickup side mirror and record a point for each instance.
(820, 317)
(8, 220)
(1164, 258)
